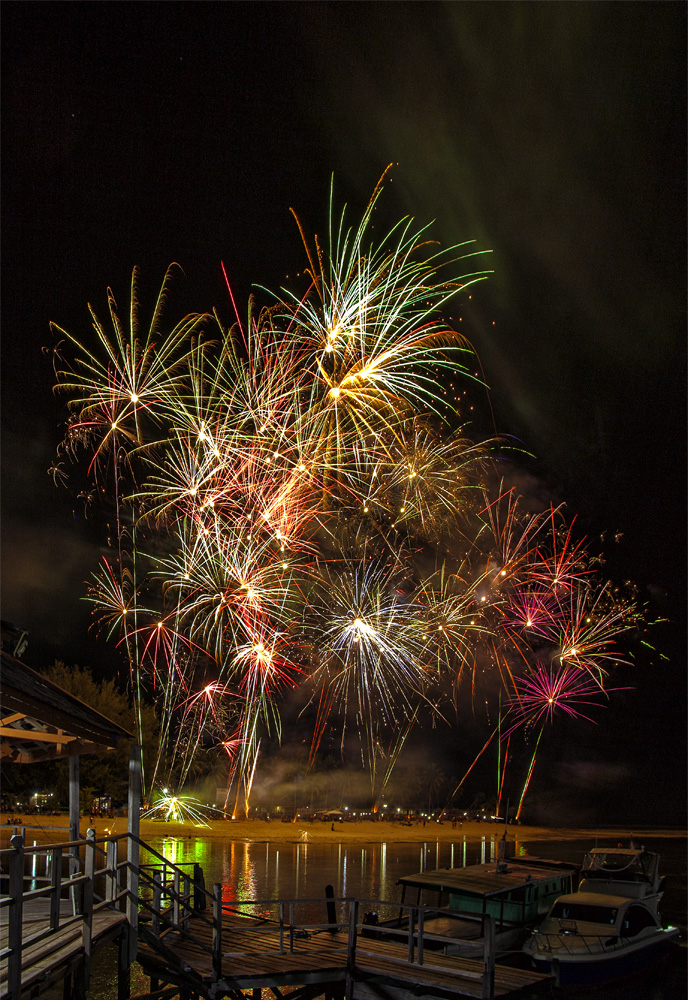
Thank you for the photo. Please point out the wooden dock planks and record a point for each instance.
(45, 961)
(252, 960)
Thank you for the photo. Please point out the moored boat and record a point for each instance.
(610, 927)
(455, 901)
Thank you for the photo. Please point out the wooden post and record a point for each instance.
(217, 931)
(74, 810)
(411, 928)
(157, 904)
(133, 827)
(421, 916)
(123, 966)
(14, 936)
(351, 950)
(87, 938)
(199, 885)
(111, 881)
(331, 908)
(176, 908)
(186, 901)
(488, 957)
(55, 887)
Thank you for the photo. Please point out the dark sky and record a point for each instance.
(552, 134)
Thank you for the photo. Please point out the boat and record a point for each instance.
(454, 902)
(610, 927)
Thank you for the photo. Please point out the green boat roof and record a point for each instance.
(490, 879)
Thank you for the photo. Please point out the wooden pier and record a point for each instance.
(188, 943)
(322, 963)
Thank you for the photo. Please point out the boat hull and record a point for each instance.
(570, 969)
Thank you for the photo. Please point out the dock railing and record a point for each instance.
(349, 930)
(62, 896)
(160, 897)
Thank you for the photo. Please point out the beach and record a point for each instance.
(53, 829)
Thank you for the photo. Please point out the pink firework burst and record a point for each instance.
(548, 688)
(535, 610)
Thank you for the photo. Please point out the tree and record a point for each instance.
(105, 773)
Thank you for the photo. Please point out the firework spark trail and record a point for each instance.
(501, 782)
(475, 761)
(369, 330)
(565, 565)
(513, 536)
(529, 776)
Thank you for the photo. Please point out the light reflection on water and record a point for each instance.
(251, 870)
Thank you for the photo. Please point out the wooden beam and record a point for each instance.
(45, 751)
(12, 718)
(33, 736)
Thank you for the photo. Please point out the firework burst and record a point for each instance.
(291, 506)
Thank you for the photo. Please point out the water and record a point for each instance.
(256, 870)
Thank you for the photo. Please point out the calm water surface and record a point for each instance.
(256, 870)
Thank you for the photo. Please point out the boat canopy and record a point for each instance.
(491, 879)
(621, 865)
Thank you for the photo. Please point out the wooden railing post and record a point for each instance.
(488, 958)
(421, 916)
(111, 880)
(55, 887)
(331, 908)
(199, 886)
(281, 927)
(176, 886)
(87, 914)
(133, 826)
(123, 966)
(217, 931)
(186, 901)
(291, 927)
(74, 811)
(157, 903)
(411, 930)
(14, 936)
(351, 949)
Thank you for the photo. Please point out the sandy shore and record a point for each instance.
(53, 829)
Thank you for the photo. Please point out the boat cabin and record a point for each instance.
(516, 892)
(629, 872)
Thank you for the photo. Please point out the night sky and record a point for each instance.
(552, 134)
